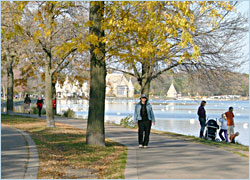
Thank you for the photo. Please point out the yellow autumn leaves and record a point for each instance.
(151, 30)
(139, 29)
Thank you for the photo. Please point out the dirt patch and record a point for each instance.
(82, 173)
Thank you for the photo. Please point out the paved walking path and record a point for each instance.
(169, 158)
(19, 157)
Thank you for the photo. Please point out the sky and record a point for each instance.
(244, 9)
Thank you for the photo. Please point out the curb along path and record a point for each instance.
(19, 155)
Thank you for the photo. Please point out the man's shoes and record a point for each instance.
(140, 146)
(145, 147)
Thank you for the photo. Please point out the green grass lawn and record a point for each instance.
(63, 150)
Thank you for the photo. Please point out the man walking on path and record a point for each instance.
(39, 104)
(202, 117)
(230, 121)
(27, 102)
(144, 117)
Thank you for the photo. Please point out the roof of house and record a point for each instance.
(119, 80)
(172, 90)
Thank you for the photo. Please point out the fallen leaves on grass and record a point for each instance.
(64, 154)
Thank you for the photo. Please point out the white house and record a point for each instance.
(116, 85)
(69, 89)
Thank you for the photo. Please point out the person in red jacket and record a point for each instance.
(54, 106)
(39, 104)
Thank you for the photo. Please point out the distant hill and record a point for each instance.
(198, 84)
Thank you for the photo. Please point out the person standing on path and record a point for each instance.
(223, 121)
(230, 121)
(39, 104)
(144, 118)
(202, 117)
(54, 106)
(27, 102)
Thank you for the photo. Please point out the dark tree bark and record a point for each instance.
(95, 128)
(10, 84)
(145, 79)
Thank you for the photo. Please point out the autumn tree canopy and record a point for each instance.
(145, 39)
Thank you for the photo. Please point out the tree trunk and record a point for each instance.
(95, 128)
(146, 79)
(10, 84)
(145, 87)
(48, 93)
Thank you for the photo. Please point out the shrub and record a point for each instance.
(69, 113)
(127, 121)
(34, 110)
(43, 111)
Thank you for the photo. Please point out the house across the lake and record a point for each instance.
(117, 85)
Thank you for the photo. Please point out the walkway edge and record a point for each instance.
(131, 165)
(33, 158)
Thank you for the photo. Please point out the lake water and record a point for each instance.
(179, 116)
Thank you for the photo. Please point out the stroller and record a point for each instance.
(211, 129)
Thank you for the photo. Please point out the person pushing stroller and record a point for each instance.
(223, 129)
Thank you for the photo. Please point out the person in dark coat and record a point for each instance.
(27, 102)
(202, 117)
(39, 104)
(144, 118)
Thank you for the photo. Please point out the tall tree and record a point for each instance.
(11, 35)
(95, 128)
(52, 31)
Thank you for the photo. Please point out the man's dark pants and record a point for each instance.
(202, 123)
(39, 111)
(144, 126)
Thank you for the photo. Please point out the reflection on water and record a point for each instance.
(177, 116)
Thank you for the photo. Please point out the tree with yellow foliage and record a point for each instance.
(143, 39)
(53, 31)
(11, 35)
(149, 38)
